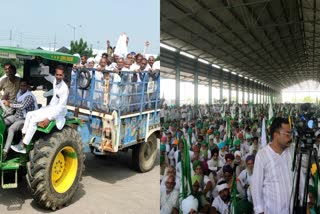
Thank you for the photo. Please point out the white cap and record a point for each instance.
(188, 204)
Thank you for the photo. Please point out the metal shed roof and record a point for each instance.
(273, 41)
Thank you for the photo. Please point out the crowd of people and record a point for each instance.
(228, 159)
(130, 75)
(117, 65)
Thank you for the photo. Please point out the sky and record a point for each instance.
(35, 23)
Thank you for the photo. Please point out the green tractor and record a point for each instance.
(107, 113)
(54, 161)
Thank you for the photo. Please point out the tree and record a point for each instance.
(80, 47)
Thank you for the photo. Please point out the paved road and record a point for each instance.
(109, 186)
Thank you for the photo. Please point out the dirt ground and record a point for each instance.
(109, 186)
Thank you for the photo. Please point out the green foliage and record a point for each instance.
(158, 58)
(308, 99)
(80, 47)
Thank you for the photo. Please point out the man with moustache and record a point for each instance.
(222, 202)
(56, 110)
(169, 202)
(272, 177)
(245, 178)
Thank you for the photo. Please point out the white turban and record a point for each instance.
(189, 203)
(237, 153)
(222, 187)
(97, 59)
(76, 54)
(91, 59)
(156, 65)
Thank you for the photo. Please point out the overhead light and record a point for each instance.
(250, 79)
(246, 77)
(167, 47)
(225, 69)
(187, 54)
(216, 66)
(203, 61)
(240, 75)
(234, 73)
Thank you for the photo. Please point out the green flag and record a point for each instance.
(233, 208)
(186, 185)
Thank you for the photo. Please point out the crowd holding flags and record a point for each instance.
(226, 135)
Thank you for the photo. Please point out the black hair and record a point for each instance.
(276, 124)
(215, 150)
(24, 80)
(6, 64)
(13, 68)
(221, 182)
(60, 67)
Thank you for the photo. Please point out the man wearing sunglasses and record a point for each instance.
(272, 176)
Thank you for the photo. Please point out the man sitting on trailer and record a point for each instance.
(56, 110)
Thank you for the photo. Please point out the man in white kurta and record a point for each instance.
(56, 110)
(169, 202)
(272, 176)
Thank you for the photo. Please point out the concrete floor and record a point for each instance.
(108, 186)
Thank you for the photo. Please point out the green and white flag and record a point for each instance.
(263, 133)
(223, 111)
(186, 185)
(270, 118)
(240, 115)
(270, 110)
(251, 112)
(233, 111)
(233, 207)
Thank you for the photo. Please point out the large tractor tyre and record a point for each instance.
(144, 154)
(55, 168)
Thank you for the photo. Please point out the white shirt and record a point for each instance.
(244, 179)
(58, 103)
(163, 183)
(220, 206)
(162, 113)
(183, 112)
(168, 201)
(272, 181)
(176, 155)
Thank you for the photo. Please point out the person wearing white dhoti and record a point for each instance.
(56, 110)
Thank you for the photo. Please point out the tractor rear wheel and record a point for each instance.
(55, 168)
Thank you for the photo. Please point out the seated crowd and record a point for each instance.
(208, 156)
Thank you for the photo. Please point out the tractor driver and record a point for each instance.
(56, 110)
